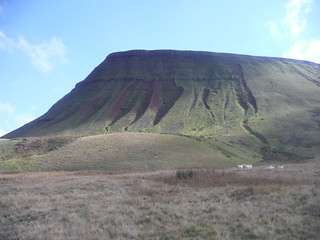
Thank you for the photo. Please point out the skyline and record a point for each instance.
(46, 47)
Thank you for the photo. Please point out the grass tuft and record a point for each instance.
(185, 174)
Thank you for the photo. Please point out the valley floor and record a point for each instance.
(229, 203)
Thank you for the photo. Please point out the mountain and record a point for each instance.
(270, 106)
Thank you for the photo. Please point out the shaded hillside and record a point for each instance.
(268, 103)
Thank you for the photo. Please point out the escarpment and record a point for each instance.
(201, 94)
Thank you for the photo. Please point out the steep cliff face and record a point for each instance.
(203, 94)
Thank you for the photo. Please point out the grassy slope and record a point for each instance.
(283, 89)
(282, 123)
(120, 152)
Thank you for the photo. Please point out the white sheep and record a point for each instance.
(248, 166)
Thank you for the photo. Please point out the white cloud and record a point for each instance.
(293, 23)
(6, 43)
(2, 133)
(304, 50)
(296, 16)
(24, 118)
(10, 118)
(43, 56)
(7, 108)
(290, 29)
(274, 30)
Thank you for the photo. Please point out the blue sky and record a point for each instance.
(46, 47)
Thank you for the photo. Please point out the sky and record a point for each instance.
(47, 46)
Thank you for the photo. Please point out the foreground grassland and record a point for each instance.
(184, 204)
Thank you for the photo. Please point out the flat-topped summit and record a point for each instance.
(166, 52)
(148, 65)
(161, 64)
(253, 100)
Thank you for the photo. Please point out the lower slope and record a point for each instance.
(118, 152)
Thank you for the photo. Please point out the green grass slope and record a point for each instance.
(266, 105)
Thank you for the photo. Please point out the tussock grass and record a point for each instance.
(208, 204)
(220, 178)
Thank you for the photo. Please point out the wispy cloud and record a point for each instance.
(2, 133)
(290, 29)
(6, 108)
(9, 118)
(293, 23)
(43, 56)
(24, 118)
(304, 50)
(6, 113)
(6, 44)
(296, 16)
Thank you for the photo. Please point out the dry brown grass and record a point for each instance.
(208, 204)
